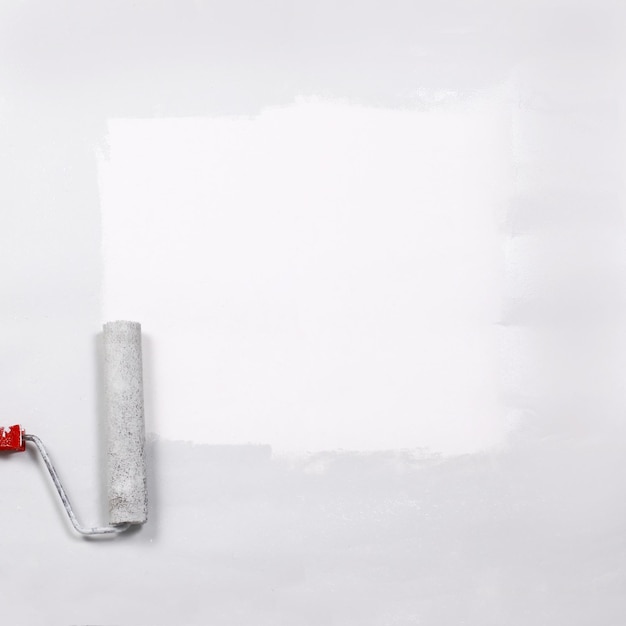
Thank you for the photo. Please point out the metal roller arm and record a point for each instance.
(97, 530)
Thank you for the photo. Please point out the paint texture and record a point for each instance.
(124, 414)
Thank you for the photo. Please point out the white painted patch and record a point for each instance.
(322, 276)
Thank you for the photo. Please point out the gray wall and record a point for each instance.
(529, 530)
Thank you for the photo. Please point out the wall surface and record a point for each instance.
(377, 250)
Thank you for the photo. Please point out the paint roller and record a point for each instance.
(124, 415)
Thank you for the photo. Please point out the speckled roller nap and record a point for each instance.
(126, 465)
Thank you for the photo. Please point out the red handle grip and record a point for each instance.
(12, 439)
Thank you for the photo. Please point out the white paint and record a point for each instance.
(530, 533)
(317, 277)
